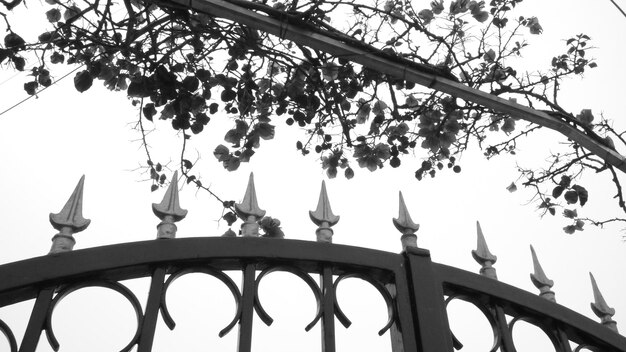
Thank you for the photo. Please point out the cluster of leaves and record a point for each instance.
(185, 66)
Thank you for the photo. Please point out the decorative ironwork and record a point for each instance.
(406, 226)
(302, 275)
(249, 211)
(69, 221)
(412, 286)
(540, 280)
(487, 312)
(324, 218)
(8, 333)
(391, 311)
(482, 255)
(600, 308)
(167, 317)
(169, 211)
(115, 286)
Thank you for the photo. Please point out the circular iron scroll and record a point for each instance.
(167, 317)
(112, 285)
(302, 275)
(6, 330)
(488, 313)
(535, 322)
(391, 310)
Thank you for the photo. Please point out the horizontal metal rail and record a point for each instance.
(517, 302)
(324, 41)
(417, 301)
(22, 280)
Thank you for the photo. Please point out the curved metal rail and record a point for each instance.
(413, 288)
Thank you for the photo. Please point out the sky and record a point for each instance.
(48, 143)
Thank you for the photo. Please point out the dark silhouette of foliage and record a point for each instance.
(188, 68)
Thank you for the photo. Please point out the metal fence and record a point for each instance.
(415, 290)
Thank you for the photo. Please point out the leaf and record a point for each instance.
(571, 197)
(71, 12)
(481, 16)
(12, 40)
(265, 130)
(230, 218)
(508, 125)
(149, 111)
(379, 107)
(31, 87)
(490, 56)
(222, 153)
(557, 191)
(552, 211)
(437, 6)
(579, 225)
(582, 193)
(19, 62)
(83, 81)
(565, 181)
(426, 15)
(570, 213)
(512, 187)
(330, 72)
(364, 111)
(585, 116)
(53, 15)
(534, 26)
(232, 163)
(349, 173)
(570, 229)
(228, 95)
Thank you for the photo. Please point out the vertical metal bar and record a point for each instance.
(328, 310)
(563, 340)
(247, 309)
(151, 315)
(431, 319)
(402, 332)
(506, 340)
(37, 320)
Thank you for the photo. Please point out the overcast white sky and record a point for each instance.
(47, 143)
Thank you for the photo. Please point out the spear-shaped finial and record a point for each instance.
(323, 217)
(600, 308)
(249, 211)
(540, 280)
(69, 221)
(482, 255)
(406, 226)
(169, 210)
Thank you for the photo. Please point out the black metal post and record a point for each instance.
(430, 317)
(247, 309)
(328, 310)
(37, 320)
(151, 315)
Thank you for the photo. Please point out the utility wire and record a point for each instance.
(39, 91)
(619, 8)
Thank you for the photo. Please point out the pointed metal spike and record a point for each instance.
(249, 206)
(170, 204)
(540, 280)
(600, 308)
(169, 210)
(323, 213)
(405, 225)
(324, 217)
(482, 255)
(72, 213)
(69, 221)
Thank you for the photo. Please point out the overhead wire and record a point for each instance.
(619, 8)
(39, 91)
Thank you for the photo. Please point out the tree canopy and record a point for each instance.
(182, 64)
